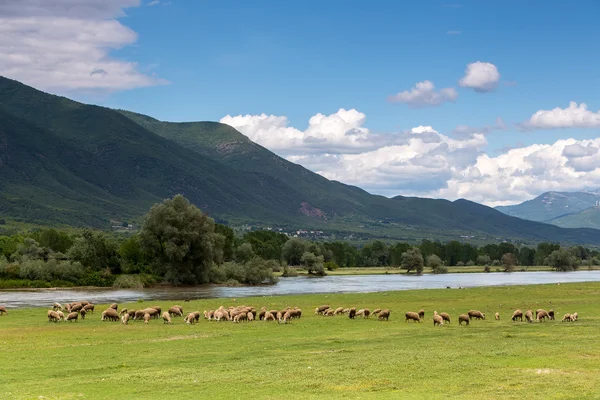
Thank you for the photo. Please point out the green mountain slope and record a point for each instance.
(551, 205)
(63, 162)
(588, 218)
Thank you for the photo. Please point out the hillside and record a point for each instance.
(551, 205)
(63, 162)
(588, 218)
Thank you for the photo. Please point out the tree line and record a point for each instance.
(180, 245)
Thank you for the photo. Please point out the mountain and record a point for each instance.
(64, 162)
(588, 218)
(551, 205)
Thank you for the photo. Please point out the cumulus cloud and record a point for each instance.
(424, 95)
(64, 45)
(481, 77)
(574, 116)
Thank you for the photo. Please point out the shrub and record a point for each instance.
(253, 272)
(331, 266)
(274, 265)
(128, 282)
(509, 260)
(484, 260)
(440, 269)
(434, 261)
(289, 272)
(496, 263)
(562, 260)
(313, 264)
(470, 263)
(460, 264)
(97, 278)
(487, 269)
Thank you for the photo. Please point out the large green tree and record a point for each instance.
(182, 240)
(97, 251)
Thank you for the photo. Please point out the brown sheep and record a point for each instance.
(269, 316)
(3, 310)
(175, 311)
(139, 315)
(321, 309)
(384, 314)
(463, 318)
(154, 313)
(421, 313)
(542, 315)
(261, 314)
(528, 316)
(84, 303)
(360, 313)
(68, 307)
(61, 316)
(476, 314)
(279, 315)
(72, 316)
(147, 318)
(190, 318)
(366, 313)
(157, 308)
(437, 319)
(518, 314)
(286, 317)
(114, 306)
(125, 319)
(539, 310)
(376, 311)
(241, 317)
(497, 316)
(551, 314)
(567, 317)
(53, 316)
(57, 307)
(166, 317)
(82, 312)
(89, 307)
(180, 309)
(329, 313)
(131, 314)
(352, 313)
(412, 316)
(574, 317)
(445, 316)
(76, 307)
(123, 311)
(338, 310)
(110, 314)
(345, 311)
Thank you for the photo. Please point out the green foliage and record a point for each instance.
(543, 251)
(412, 259)
(266, 244)
(9, 244)
(434, 261)
(470, 263)
(134, 259)
(331, 266)
(440, 269)
(293, 250)
(254, 272)
(97, 251)
(244, 253)
(509, 260)
(183, 241)
(313, 263)
(128, 282)
(54, 240)
(484, 260)
(228, 246)
(289, 272)
(562, 260)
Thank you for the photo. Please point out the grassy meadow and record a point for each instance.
(316, 357)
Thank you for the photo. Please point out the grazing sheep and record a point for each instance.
(125, 319)
(110, 314)
(261, 314)
(57, 307)
(190, 318)
(542, 315)
(286, 317)
(445, 316)
(437, 320)
(376, 311)
(3, 310)
(114, 306)
(157, 308)
(384, 314)
(72, 316)
(551, 314)
(345, 311)
(366, 313)
(166, 317)
(539, 310)
(528, 316)
(68, 307)
(321, 309)
(269, 316)
(180, 309)
(89, 307)
(175, 311)
(131, 314)
(352, 313)
(242, 316)
(84, 303)
(329, 313)
(497, 316)
(76, 307)
(139, 315)
(251, 316)
(567, 317)
(574, 317)
(338, 310)
(476, 314)
(123, 311)
(61, 316)
(147, 318)
(518, 314)
(82, 312)
(411, 316)
(421, 313)
(154, 313)
(53, 316)
(279, 315)
(360, 313)
(463, 318)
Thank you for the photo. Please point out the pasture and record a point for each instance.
(315, 356)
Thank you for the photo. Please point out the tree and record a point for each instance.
(313, 263)
(484, 260)
(509, 260)
(135, 259)
(412, 259)
(293, 250)
(53, 239)
(543, 251)
(526, 256)
(266, 244)
(562, 260)
(96, 251)
(228, 247)
(244, 253)
(183, 241)
(434, 261)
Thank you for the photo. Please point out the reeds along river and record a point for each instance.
(289, 286)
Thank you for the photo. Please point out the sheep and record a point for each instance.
(190, 318)
(53, 316)
(180, 309)
(321, 309)
(82, 312)
(85, 303)
(551, 314)
(574, 317)
(72, 316)
(123, 311)
(338, 310)
(445, 316)
(114, 306)
(296, 313)
(411, 316)
(57, 307)
(157, 308)
(131, 314)
(286, 317)
(376, 311)
(61, 316)
(76, 307)
(497, 316)
(241, 316)
(125, 319)
(476, 314)
(360, 312)
(463, 318)
(329, 313)
(437, 319)
(367, 312)
(279, 315)
(139, 315)
(110, 314)
(166, 317)
(251, 316)
(269, 316)
(261, 314)
(539, 310)
(352, 313)
(567, 317)
(89, 307)
(175, 311)
(3, 310)
(421, 313)
(147, 318)
(384, 314)
(345, 311)
(517, 314)
(528, 316)
(68, 307)
(154, 313)
(541, 315)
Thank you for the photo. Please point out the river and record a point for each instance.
(288, 286)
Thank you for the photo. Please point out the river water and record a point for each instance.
(287, 286)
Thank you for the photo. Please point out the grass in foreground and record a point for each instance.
(316, 357)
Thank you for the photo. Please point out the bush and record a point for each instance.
(97, 278)
(331, 266)
(484, 260)
(253, 272)
(274, 265)
(460, 264)
(313, 264)
(509, 260)
(496, 263)
(487, 269)
(562, 260)
(434, 261)
(470, 263)
(440, 269)
(289, 272)
(128, 282)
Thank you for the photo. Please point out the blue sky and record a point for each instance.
(184, 60)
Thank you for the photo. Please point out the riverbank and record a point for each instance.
(316, 357)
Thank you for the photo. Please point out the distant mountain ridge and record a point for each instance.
(64, 162)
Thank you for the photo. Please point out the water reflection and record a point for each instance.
(299, 285)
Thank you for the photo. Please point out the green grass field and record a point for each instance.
(316, 357)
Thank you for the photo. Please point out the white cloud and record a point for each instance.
(64, 45)
(574, 116)
(424, 95)
(462, 130)
(153, 3)
(481, 77)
